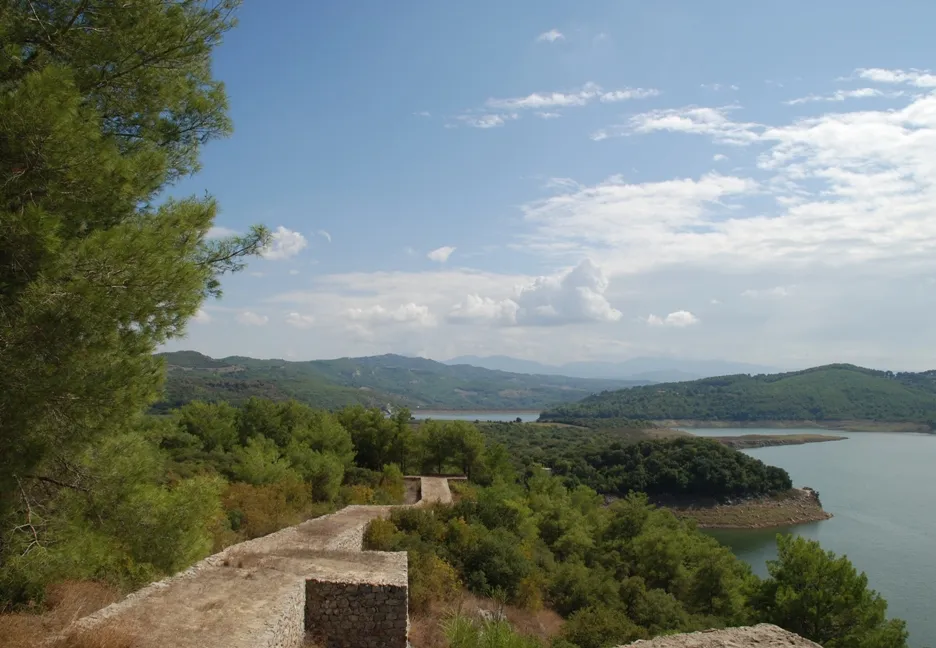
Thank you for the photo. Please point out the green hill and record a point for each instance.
(830, 393)
(374, 380)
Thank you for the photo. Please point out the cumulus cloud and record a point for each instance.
(551, 36)
(718, 157)
(405, 314)
(249, 318)
(485, 309)
(442, 254)
(300, 321)
(284, 243)
(576, 295)
(678, 319)
(548, 115)
(201, 317)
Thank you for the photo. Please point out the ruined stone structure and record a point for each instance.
(310, 581)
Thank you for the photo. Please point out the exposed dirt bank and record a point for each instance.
(748, 441)
(796, 506)
(851, 426)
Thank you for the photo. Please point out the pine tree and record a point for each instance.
(103, 106)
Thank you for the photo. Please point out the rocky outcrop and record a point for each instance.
(762, 635)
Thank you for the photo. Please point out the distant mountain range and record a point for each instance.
(643, 369)
(373, 380)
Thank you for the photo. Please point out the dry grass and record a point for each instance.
(426, 630)
(64, 604)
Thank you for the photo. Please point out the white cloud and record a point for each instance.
(627, 94)
(249, 318)
(695, 119)
(584, 95)
(577, 295)
(551, 36)
(678, 319)
(441, 255)
(201, 317)
(293, 272)
(918, 78)
(548, 115)
(219, 231)
(405, 314)
(300, 321)
(714, 302)
(477, 308)
(599, 135)
(422, 113)
(842, 95)
(285, 243)
(325, 235)
(573, 296)
(489, 120)
(718, 157)
(777, 292)
(634, 226)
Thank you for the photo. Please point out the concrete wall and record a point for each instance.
(351, 615)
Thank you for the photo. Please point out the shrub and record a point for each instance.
(431, 580)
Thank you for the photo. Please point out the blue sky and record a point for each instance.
(579, 180)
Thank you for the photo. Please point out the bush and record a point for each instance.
(431, 580)
(600, 626)
(255, 511)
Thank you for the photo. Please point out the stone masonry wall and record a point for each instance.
(343, 615)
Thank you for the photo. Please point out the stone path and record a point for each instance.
(252, 595)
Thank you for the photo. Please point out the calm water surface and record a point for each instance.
(879, 487)
(475, 416)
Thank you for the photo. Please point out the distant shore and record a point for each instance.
(849, 426)
(796, 506)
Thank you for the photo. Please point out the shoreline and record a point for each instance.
(414, 412)
(845, 425)
(796, 506)
(750, 441)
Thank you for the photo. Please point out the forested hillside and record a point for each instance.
(828, 393)
(374, 380)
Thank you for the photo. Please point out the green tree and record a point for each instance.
(104, 105)
(215, 424)
(823, 597)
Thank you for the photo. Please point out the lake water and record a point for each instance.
(475, 416)
(879, 487)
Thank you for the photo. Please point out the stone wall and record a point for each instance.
(356, 615)
(269, 592)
